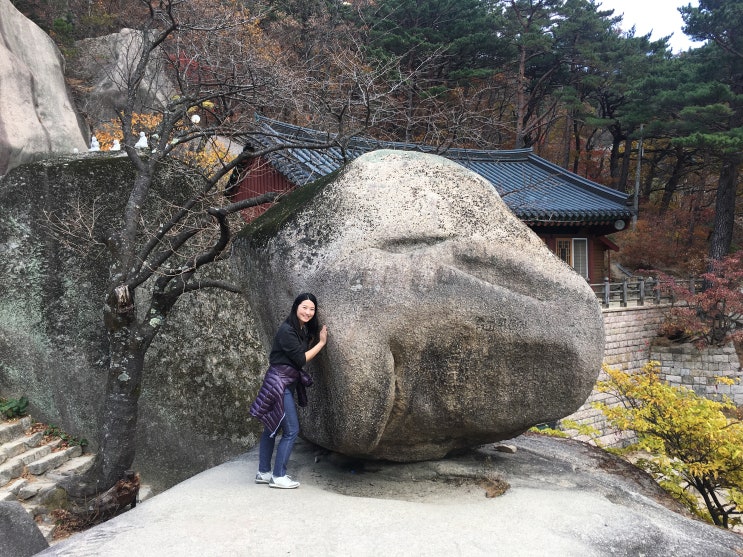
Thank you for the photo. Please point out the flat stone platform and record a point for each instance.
(564, 498)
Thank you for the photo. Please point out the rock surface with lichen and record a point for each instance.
(201, 371)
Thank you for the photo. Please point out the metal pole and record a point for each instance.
(636, 201)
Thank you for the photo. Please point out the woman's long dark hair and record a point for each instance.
(313, 325)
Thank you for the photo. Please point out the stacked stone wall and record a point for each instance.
(632, 340)
(684, 366)
(629, 335)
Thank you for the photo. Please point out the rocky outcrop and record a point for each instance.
(451, 323)
(19, 535)
(104, 64)
(37, 117)
(201, 372)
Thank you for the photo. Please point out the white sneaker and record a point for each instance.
(283, 482)
(262, 477)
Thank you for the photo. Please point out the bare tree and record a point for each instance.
(157, 251)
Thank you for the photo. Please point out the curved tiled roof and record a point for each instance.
(537, 191)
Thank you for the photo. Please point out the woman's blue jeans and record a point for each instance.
(289, 430)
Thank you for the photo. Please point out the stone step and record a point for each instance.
(75, 466)
(53, 460)
(36, 453)
(7, 495)
(15, 466)
(19, 445)
(32, 489)
(30, 471)
(16, 486)
(11, 470)
(13, 430)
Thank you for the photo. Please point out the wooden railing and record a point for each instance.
(639, 291)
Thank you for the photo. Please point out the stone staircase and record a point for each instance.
(32, 467)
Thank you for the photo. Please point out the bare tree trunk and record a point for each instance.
(614, 158)
(116, 443)
(722, 233)
(647, 185)
(566, 137)
(521, 99)
(576, 158)
(117, 440)
(670, 189)
(624, 173)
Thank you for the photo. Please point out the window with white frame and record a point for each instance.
(574, 252)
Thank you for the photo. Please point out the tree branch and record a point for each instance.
(245, 204)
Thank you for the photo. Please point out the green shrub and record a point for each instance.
(63, 30)
(54, 431)
(13, 408)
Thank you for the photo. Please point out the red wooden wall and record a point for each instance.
(258, 178)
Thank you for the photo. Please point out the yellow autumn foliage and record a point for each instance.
(691, 443)
(111, 130)
(207, 157)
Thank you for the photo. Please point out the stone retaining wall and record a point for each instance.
(685, 366)
(631, 341)
(629, 334)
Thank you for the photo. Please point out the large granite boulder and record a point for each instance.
(36, 115)
(19, 534)
(104, 65)
(202, 370)
(451, 323)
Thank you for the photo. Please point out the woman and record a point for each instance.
(298, 340)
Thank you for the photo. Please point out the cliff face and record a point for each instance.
(37, 117)
(206, 365)
(203, 369)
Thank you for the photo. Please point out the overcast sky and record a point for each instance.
(659, 16)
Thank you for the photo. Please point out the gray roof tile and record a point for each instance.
(536, 190)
